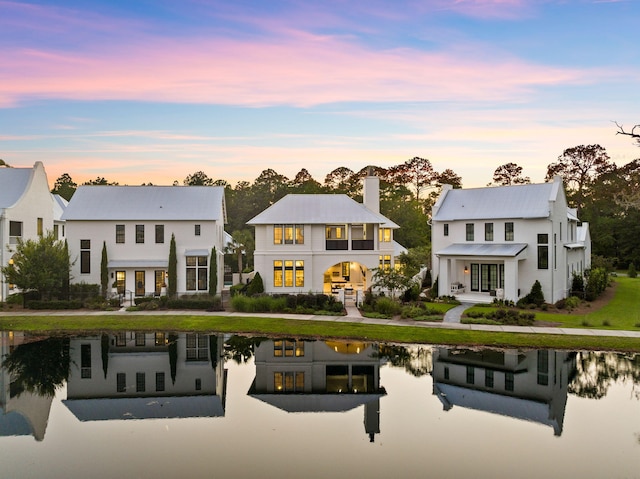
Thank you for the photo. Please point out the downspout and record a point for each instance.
(2, 281)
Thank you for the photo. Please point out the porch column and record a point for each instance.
(511, 279)
(444, 284)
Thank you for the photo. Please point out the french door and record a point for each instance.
(486, 277)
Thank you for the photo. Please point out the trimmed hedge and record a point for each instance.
(40, 304)
(211, 304)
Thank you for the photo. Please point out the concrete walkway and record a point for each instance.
(353, 316)
(455, 314)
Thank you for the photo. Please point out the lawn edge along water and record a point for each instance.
(285, 327)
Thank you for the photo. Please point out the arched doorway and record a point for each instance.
(348, 277)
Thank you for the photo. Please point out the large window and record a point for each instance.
(85, 256)
(336, 232)
(141, 382)
(384, 235)
(469, 229)
(139, 233)
(288, 273)
(488, 231)
(197, 347)
(384, 262)
(508, 231)
(288, 348)
(288, 234)
(119, 233)
(15, 228)
(197, 273)
(543, 251)
(85, 361)
(159, 233)
(288, 382)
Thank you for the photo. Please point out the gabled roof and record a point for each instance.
(161, 203)
(59, 205)
(501, 202)
(319, 209)
(13, 183)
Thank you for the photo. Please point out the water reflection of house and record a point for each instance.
(320, 376)
(529, 385)
(132, 375)
(22, 413)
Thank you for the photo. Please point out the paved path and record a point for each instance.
(454, 314)
(353, 316)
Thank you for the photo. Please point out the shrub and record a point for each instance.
(426, 281)
(597, 281)
(15, 298)
(577, 283)
(572, 302)
(632, 273)
(208, 303)
(535, 296)
(40, 304)
(239, 288)
(84, 290)
(386, 306)
(411, 294)
(256, 286)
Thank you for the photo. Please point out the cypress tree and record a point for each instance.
(104, 271)
(172, 287)
(213, 273)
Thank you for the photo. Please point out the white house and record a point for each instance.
(26, 211)
(498, 241)
(323, 243)
(136, 224)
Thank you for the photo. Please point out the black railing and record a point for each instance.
(335, 245)
(362, 245)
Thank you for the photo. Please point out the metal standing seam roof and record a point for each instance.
(482, 249)
(319, 209)
(146, 203)
(515, 201)
(13, 184)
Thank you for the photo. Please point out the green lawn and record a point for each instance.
(621, 313)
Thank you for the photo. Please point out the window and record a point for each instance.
(508, 231)
(197, 273)
(160, 339)
(197, 347)
(140, 283)
(15, 228)
(446, 372)
(198, 384)
(288, 348)
(508, 382)
(384, 262)
(56, 232)
(85, 256)
(384, 235)
(469, 228)
(140, 382)
(543, 367)
(39, 227)
(446, 229)
(85, 361)
(160, 381)
(197, 230)
(121, 281)
(299, 234)
(277, 234)
(288, 381)
(288, 234)
(120, 234)
(336, 232)
(139, 233)
(288, 273)
(159, 281)
(488, 231)
(488, 378)
(543, 251)
(121, 382)
(471, 374)
(159, 233)
(140, 339)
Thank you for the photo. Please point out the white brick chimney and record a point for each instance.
(371, 191)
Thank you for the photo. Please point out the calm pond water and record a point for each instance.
(204, 405)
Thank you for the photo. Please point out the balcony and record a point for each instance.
(362, 245)
(337, 245)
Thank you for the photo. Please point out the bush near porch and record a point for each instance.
(287, 303)
(384, 307)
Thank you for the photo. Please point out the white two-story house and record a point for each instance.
(323, 243)
(136, 224)
(498, 241)
(26, 212)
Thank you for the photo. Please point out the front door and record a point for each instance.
(140, 283)
(486, 277)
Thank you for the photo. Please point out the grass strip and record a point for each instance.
(312, 329)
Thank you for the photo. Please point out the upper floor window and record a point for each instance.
(85, 256)
(336, 232)
(39, 227)
(15, 228)
(288, 234)
(469, 229)
(508, 231)
(197, 230)
(139, 233)
(159, 233)
(119, 233)
(384, 235)
(543, 251)
(446, 229)
(488, 231)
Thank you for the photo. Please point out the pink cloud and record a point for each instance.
(303, 70)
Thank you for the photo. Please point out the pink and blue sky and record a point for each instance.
(140, 91)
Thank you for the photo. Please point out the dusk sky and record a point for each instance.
(139, 91)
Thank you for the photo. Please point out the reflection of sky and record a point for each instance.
(417, 438)
(138, 91)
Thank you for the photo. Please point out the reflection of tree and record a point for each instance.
(39, 367)
(596, 372)
(240, 348)
(416, 360)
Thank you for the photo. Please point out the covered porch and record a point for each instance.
(480, 273)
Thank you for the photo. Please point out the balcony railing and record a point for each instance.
(362, 245)
(336, 245)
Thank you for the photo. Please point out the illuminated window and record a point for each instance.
(282, 348)
(384, 235)
(288, 381)
(336, 232)
(299, 274)
(384, 262)
(288, 234)
(299, 234)
(277, 234)
(288, 273)
(277, 273)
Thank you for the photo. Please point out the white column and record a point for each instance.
(511, 279)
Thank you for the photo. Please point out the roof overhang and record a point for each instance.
(483, 249)
(196, 252)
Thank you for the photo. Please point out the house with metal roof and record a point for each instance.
(26, 211)
(136, 224)
(323, 243)
(497, 241)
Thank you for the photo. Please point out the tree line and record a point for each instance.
(605, 195)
